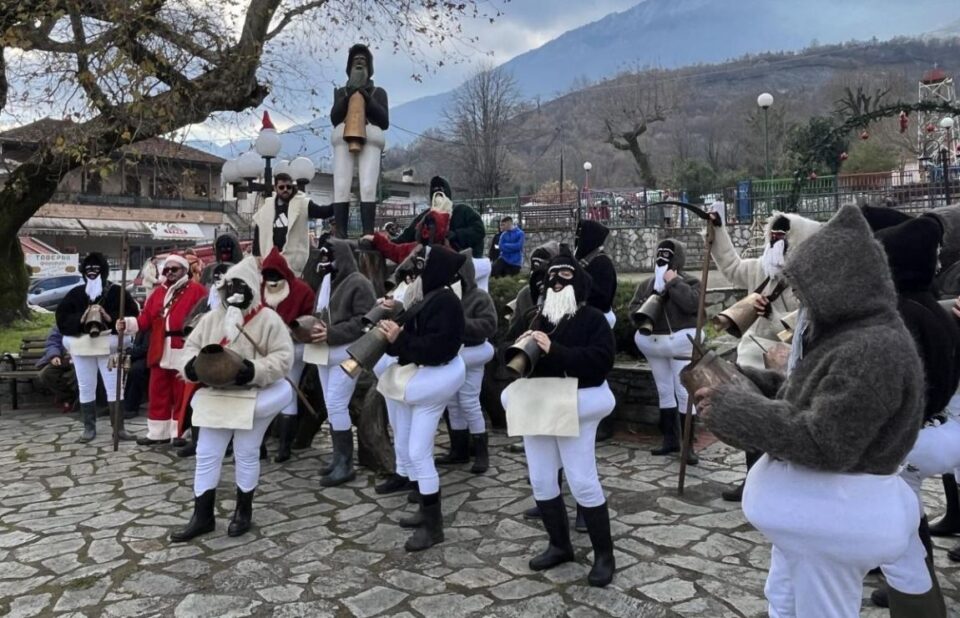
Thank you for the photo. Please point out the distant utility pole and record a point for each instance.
(560, 128)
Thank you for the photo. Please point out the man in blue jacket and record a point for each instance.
(511, 250)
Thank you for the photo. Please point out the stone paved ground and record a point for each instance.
(83, 533)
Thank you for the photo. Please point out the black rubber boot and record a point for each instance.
(414, 520)
(342, 471)
(557, 523)
(605, 428)
(459, 449)
(88, 414)
(430, 531)
(393, 484)
(580, 524)
(202, 520)
(243, 515)
(368, 217)
(950, 522)
(288, 429)
(481, 453)
(341, 218)
(736, 494)
(116, 413)
(598, 525)
(670, 428)
(191, 448)
(414, 496)
(533, 512)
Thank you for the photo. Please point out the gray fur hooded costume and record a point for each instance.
(854, 402)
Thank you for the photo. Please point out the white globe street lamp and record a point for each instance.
(764, 101)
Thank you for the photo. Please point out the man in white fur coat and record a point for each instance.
(783, 232)
(244, 410)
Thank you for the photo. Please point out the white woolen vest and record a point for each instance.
(297, 249)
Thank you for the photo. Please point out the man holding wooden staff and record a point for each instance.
(359, 117)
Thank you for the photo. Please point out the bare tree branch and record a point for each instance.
(293, 13)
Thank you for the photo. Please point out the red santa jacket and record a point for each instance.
(398, 252)
(173, 317)
(301, 300)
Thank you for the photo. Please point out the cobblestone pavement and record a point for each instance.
(83, 533)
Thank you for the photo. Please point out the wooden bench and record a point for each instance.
(22, 367)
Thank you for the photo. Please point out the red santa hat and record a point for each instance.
(267, 123)
(176, 259)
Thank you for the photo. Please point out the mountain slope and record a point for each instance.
(675, 33)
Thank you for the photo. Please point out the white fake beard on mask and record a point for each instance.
(441, 203)
(457, 288)
(559, 304)
(773, 259)
(413, 293)
(659, 285)
(232, 322)
(273, 295)
(94, 288)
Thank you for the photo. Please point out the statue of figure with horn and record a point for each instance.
(359, 116)
(758, 317)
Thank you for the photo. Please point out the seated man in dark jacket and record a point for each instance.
(56, 370)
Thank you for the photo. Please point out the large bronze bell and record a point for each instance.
(522, 357)
(709, 371)
(302, 328)
(739, 317)
(92, 322)
(365, 352)
(217, 366)
(381, 312)
(789, 323)
(647, 315)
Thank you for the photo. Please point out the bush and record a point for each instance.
(503, 290)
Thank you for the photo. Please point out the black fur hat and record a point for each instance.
(360, 50)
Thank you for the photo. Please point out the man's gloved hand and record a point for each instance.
(245, 375)
(189, 372)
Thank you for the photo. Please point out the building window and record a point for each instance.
(200, 189)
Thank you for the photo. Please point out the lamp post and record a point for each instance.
(242, 172)
(945, 147)
(764, 101)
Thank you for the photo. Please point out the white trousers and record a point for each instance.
(367, 161)
(660, 352)
(417, 416)
(337, 388)
(482, 268)
(577, 456)
(401, 465)
(936, 452)
(212, 443)
(611, 318)
(296, 372)
(464, 406)
(827, 531)
(87, 368)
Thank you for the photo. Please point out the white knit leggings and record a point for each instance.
(212, 443)
(400, 465)
(577, 456)
(464, 406)
(416, 418)
(367, 161)
(660, 352)
(87, 368)
(936, 452)
(827, 531)
(296, 372)
(337, 389)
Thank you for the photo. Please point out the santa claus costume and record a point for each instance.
(165, 314)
